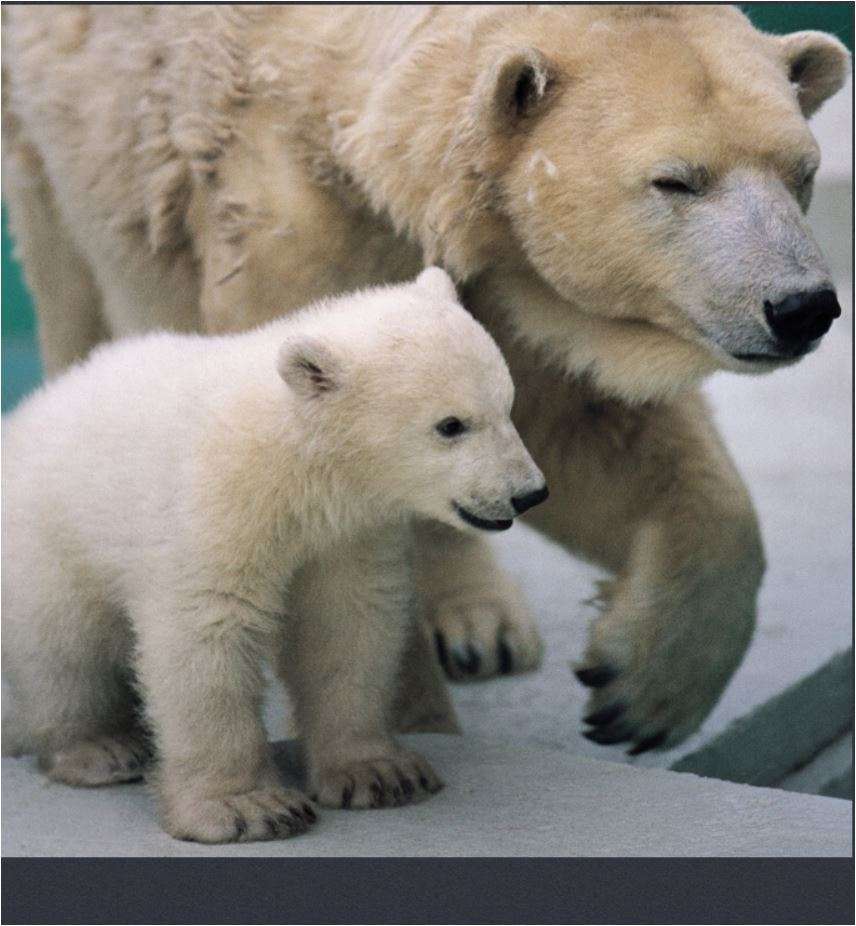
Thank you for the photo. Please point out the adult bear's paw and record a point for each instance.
(656, 673)
(481, 636)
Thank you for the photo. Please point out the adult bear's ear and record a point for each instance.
(817, 65)
(516, 88)
(310, 367)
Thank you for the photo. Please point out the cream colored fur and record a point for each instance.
(208, 168)
(175, 510)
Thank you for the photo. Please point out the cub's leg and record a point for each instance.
(65, 658)
(353, 613)
(476, 614)
(199, 668)
(68, 302)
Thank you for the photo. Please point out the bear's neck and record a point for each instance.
(617, 359)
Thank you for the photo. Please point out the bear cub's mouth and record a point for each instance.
(497, 525)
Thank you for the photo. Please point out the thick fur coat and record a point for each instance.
(176, 508)
(619, 191)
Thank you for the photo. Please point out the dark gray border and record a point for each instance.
(376, 891)
(404, 891)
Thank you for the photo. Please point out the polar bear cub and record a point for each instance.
(178, 508)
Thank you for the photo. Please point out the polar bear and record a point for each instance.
(619, 189)
(171, 508)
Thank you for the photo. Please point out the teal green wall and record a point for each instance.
(836, 18)
(20, 370)
(17, 314)
(20, 364)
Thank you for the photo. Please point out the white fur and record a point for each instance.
(155, 177)
(174, 510)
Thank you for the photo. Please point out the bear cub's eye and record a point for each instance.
(450, 427)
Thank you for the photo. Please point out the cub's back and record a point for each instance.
(107, 438)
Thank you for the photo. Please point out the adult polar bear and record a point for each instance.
(617, 189)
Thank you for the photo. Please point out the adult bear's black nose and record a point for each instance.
(803, 317)
(523, 503)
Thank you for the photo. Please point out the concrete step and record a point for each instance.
(788, 732)
(500, 800)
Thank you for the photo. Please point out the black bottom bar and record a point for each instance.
(248, 891)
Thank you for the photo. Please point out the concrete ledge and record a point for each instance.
(829, 772)
(784, 733)
(500, 800)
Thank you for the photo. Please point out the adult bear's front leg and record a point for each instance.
(476, 614)
(651, 494)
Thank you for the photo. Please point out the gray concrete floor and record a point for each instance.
(522, 781)
(500, 800)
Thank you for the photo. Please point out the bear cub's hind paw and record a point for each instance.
(103, 760)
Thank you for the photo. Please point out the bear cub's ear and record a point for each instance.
(309, 367)
(817, 65)
(437, 281)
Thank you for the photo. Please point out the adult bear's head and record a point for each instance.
(652, 164)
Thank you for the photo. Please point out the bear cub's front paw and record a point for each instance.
(387, 780)
(265, 813)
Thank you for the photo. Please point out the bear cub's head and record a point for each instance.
(409, 401)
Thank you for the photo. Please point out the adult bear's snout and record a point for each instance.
(802, 317)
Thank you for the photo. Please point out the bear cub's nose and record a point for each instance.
(803, 317)
(523, 503)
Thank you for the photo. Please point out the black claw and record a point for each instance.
(442, 654)
(310, 813)
(596, 677)
(475, 660)
(407, 787)
(466, 659)
(287, 821)
(506, 659)
(423, 782)
(294, 817)
(606, 736)
(652, 742)
(240, 826)
(298, 823)
(606, 714)
(347, 795)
